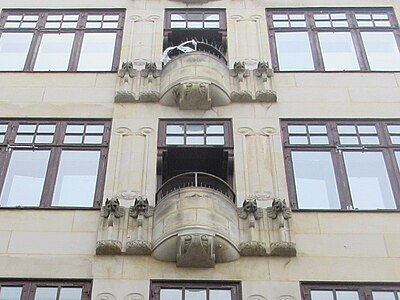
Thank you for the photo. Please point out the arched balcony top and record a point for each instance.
(195, 179)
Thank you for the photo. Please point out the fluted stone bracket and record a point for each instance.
(138, 247)
(144, 83)
(193, 95)
(253, 248)
(283, 248)
(196, 251)
(108, 247)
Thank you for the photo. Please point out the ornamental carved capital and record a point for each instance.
(141, 207)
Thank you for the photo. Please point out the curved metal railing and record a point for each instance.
(192, 46)
(195, 179)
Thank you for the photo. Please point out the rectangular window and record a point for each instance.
(161, 290)
(49, 290)
(53, 163)
(342, 164)
(62, 40)
(207, 27)
(327, 39)
(345, 291)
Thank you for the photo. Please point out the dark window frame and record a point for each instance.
(220, 33)
(234, 286)
(364, 289)
(79, 31)
(386, 147)
(29, 286)
(56, 148)
(312, 31)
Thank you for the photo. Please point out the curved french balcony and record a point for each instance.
(195, 221)
(195, 80)
(196, 179)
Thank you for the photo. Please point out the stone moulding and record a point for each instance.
(253, 248)
(283, 248)
(108, 247)
(138, 247)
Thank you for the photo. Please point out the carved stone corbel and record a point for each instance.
(264, 72)
(140, 211)
(239, 71)
(193, 95)
(126, 72)
(109, 231)
(280, 213)
(196, 251)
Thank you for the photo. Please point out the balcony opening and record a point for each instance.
(195, 153)
(194, 30)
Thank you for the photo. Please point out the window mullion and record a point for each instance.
(73, 59)
(51, 176)
(33, 50)
(357, 41)
(314, 42)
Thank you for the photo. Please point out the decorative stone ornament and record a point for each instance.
(250, 207)
(150, 71)
(239, 70)
(127, 70)
(196, 251)
(263, 71)
(112, 210)
(279, 207)
(193, 95)
(141, 207)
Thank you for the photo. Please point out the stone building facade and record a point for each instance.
(219, 150)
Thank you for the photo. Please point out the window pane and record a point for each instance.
(195, 294)
(195, 140)
(382, 51)
(76, 178)
(321, 295)
(174, 140)
(175, 129)
(10, 293)
(220, 295)
(347, 295)
(294, 51)
(315, 180)
(25, 178)
(383, 296)
(54, 52)
(70, 294)
(215, 129)
(97, 52)
(215, 140)
(368, 180)
(169, 294)
(14, 50)
(338, 51)
(46, 293)
(195, 129)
